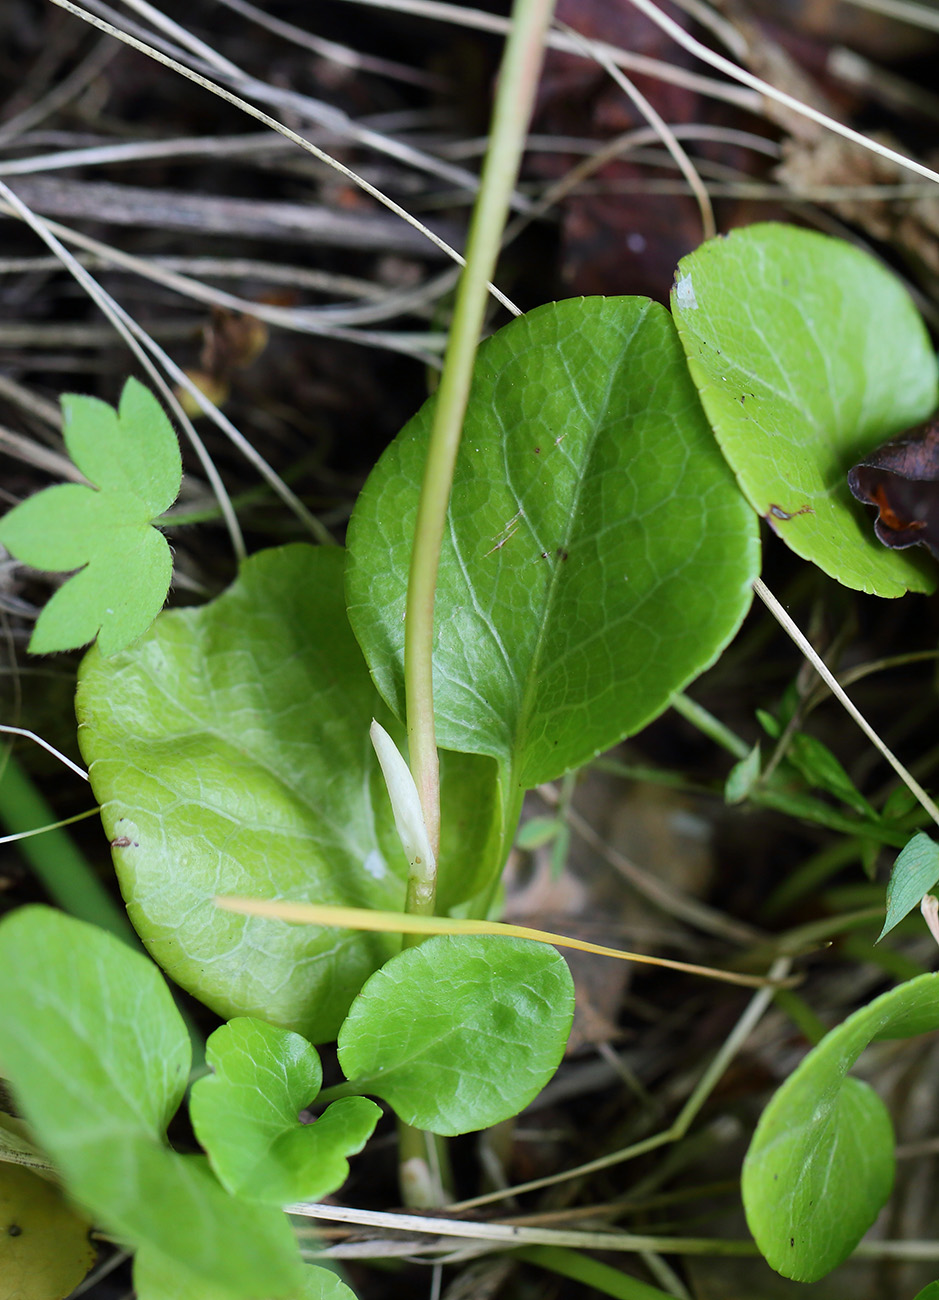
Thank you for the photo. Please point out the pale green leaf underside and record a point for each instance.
(807, 354)
(598, 554)
(460, 1033)
(230, 752)
(245, 1116)
(914, 873)
(820, 1165)
(98, 1057)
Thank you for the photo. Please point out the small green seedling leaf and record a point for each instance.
(537, 832)
(459, 1033)
(245, 1116)
(807, 353)
(98, 1058)
(930, 1292)
(742, 777)
(156, 1277)
(820, 768)
(230, 752)
(770, 724)
(44, 1246)
(820, 1165)
(900, 802)
(598, 554)
(914, 873)
(124, 564)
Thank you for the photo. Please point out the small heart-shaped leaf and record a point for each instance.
(245, 1116)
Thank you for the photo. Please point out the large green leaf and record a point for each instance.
(820, 1165)
(598, 554)
(245, 1116)
(124, 564)
(460, 1033)
(807, 354)
(229, 750)
(98, 1057)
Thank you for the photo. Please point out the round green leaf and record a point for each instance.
(820, 1165)
(245, 1116)
(598, 554)
(229, 750)
(44, 1247)
(807, 354)
(460, 1033)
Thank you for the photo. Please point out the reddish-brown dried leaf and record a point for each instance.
(901, 479)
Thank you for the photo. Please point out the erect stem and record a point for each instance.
(518, 79)
(424, 1180)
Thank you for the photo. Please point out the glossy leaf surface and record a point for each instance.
(132, 457)
(245, 1116)
(598, 554)
(460, 1033)
(820, 1165)
(807, 353)
(98, 1057)
(230, 752)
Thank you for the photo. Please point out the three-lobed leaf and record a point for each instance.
(807, 354)
(820, 1165)
(598, 554)
(105, 532)
(460, 1033)
(230, 752)
(98, 1057)
(245, 1116)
